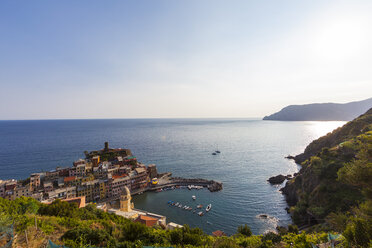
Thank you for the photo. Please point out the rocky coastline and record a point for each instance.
(279, 179)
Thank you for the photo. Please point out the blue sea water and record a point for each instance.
(251, 152)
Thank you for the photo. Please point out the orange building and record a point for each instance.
(147, 220)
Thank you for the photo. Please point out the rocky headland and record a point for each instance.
(322, 111)
(321, 190)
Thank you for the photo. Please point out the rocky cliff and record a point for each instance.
(317, 190)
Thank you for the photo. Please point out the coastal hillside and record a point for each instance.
(25, 222)
(322, 111)
(333, 189)
(341, 134)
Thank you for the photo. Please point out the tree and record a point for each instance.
(359, 172)
(245, 230)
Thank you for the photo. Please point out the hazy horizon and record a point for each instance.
(180, 59)
(144, 118)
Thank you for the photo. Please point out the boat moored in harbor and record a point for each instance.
(208, 207)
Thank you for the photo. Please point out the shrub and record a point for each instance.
(245, 230)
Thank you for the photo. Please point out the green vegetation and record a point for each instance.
(333, 190)
(64, 223)
(108, 155)
(338, 136)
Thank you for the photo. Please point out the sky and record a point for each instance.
(180, 59)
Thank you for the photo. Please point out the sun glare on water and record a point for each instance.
(320, 128)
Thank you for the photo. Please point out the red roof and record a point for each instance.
(148, 221)
(119, 176)
(218, 233)
(68, 179)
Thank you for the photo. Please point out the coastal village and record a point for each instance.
(107, 177)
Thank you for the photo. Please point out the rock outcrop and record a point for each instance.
(215, 186)
(279, 179)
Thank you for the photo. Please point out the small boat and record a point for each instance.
(200, 213)
(199, 206)
(194, 211)
(159, 190)
(208, 207)
(189, 186)
(177, 204)
(213, 153)
(217, 151)
(193, 197)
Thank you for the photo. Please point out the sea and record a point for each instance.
(252, 150)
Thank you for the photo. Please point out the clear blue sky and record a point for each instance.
(145, 59)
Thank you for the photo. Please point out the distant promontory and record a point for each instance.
(322, 111)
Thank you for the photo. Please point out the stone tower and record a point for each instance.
(125, 201)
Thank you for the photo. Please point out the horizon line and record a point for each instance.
(130, 118)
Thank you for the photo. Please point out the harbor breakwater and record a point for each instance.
(212, 185)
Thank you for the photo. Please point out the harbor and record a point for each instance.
(166, 182)
(161, 203)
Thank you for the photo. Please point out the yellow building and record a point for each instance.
(102, 190)
(125, 201)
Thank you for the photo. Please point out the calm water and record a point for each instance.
(251, 152)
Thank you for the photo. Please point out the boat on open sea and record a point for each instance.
(208, 207)
(193, 197)
(213, 153)
(199, 206)
(200, 213)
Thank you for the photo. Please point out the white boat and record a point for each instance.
(208, 207)
(177, 204)
(193, 197)
(200, 213)
(189, 186)
(199, 206)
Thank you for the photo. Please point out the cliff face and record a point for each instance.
(317, 191)
(322, 111)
